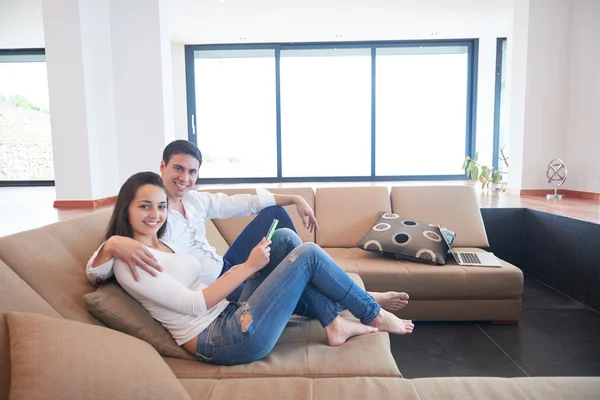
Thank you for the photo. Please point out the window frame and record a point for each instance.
(497, 101)
(472, 46)
(25, 52)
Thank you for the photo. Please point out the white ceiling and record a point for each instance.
(253, 21)
(232, 21)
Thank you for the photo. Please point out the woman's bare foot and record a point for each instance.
(388, 322)
(390, 301)
(342, 329)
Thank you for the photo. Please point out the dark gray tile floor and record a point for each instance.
(556, 336)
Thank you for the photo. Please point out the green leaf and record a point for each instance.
(475, 173)
(465, 163)
(485, 171)
(496, 177)
(476, 157)
(470, 169)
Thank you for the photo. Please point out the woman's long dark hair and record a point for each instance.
(119, 221)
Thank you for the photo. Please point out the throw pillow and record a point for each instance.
(62, 359)
(405, 238)
(118, 310)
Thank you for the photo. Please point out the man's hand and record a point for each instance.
(259, 256)
(133, 253)
(306, 214)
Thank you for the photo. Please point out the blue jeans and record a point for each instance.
(240, 249)
(308, 271)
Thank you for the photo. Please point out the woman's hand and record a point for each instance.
(259, 256)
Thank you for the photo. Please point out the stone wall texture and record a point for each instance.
(25, 144)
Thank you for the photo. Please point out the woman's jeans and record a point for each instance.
(247, 331)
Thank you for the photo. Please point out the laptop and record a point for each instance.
(471, 259)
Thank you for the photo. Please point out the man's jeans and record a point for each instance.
(270, 298)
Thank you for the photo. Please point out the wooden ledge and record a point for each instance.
(85, 203)
(575, 194)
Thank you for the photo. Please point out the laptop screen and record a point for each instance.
(446, 240)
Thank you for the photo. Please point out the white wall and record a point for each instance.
(546, 104)
(142, 84)
(517, 47)
(179, 90)
(21, 24)
(539, 89)
(583, 133)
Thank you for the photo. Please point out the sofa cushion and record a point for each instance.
(453, 207)
(302, 351)
(408, 239)
(463, 388)
(274, 388)
(468, 388)
(118, 310)
(345, 214)
(230, 228)
(57, 358)
(364, 388)
(215, 238)
(52, 261)
(432, 282)
(15, 295)
(558, 388)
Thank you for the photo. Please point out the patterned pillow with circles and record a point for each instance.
(405, 238)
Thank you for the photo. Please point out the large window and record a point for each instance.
(343, 111)
(25, 140)
(235, 113)
(326, 112)
(421, 109)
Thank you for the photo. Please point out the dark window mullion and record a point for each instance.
(472, 63)
(190, 79)
(278, 108)
(497, 98)
(373, 111)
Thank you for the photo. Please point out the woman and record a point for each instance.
(196, 312)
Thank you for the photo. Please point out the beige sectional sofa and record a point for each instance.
(42, 272)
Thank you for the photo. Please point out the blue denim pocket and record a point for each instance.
(204, 359)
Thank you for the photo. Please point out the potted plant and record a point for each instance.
(489, 177)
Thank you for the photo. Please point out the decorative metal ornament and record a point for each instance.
(556, 172)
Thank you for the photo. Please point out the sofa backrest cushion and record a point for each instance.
(454, 207)
(118, 310)
(230, 228)
(57, 358)
(345, 214)
(15, 295)
(215, 238)
(52, 261)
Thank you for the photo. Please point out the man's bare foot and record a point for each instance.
(342, 329)
(388, 322)
(390, 301)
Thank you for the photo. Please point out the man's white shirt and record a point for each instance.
(188, 235)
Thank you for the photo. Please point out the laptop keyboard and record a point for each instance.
(470, 258)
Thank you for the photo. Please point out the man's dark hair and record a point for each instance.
(119, 221)
(181, 147)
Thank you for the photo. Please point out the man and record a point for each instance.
(186, 228)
